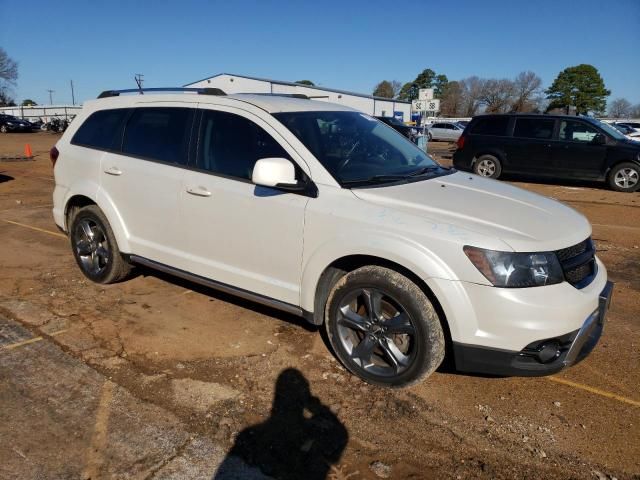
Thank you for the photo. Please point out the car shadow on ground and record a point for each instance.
(5, 178)
(225, 297)
(302, 438)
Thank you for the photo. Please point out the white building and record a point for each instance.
(377, 106)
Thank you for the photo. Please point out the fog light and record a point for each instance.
(548, 351)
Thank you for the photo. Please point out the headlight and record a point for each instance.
(516, 270)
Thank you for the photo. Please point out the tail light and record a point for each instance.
(53, 156)
(460, 142)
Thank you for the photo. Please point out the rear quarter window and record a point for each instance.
(491, 126)
(101, 129)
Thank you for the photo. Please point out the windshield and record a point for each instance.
(356, 148)
(609, 129)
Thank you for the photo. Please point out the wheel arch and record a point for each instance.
(87, 196)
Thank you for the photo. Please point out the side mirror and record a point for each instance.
(599, 139)
(276, 172)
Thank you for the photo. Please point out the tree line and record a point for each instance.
(579, 89)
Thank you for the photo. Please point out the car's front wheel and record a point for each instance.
(94, 246)
(487, 166)
(625, 177)
(4, 129)
(383, 328)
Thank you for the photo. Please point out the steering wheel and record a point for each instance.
(347, 157)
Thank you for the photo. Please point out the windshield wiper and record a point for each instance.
(391, 177)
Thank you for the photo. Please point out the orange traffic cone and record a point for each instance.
(27, 151)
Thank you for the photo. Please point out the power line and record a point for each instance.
(50, 96)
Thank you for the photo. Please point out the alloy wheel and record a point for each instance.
(92, 246)
(376, 332)
(486, 168)
(626, 178)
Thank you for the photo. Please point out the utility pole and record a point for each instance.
(73, 97)
(139, 80)
(50, 96)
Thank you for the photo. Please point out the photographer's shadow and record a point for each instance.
(301, 439)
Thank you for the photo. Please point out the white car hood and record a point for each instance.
(525, 221)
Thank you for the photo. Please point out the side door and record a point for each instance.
(438, 131)
(529, 150)
(238, 233)
(575, 154)
(144, 180)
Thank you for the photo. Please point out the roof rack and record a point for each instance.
(141, 91)
(290, 95)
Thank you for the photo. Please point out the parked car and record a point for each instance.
(9, 123)
(634, 125)
(446, 131)
(322, 211)
(463, 123)
(626, 130)
(556, 146)
(406, 130)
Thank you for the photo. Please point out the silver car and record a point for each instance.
(446, 131)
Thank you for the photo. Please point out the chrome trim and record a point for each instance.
(222, 287)
(594, 322)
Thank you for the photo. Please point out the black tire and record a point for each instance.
(487, 166)
(429, 137)
(4, 129)
(400, 345)
(626, 173)
(94, 246)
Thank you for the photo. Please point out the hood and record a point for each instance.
(525, 221)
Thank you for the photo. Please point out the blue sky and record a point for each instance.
(350, 45)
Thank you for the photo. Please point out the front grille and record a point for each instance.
(578, 263)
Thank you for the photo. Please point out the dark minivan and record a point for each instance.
(558, 146)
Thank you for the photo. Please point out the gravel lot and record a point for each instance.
(160, 378)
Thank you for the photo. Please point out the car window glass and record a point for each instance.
(437, 125)
(230, 145)
(491, 126)
(159, 133)
(573, 131)
(101, 129)
(537, 128)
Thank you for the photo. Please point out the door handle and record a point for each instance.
(113, 171)
(199, 191)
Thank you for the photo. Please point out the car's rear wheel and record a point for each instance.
(383, 328)
(487, 166)
(94, 246)
(4, 129)
(625, 177)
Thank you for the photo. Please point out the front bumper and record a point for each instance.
(542, 357)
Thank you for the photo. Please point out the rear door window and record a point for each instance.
(491, 126)
(102, 130)
(159, 133)
(538, 128)
(572, 131)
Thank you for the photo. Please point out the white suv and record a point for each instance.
(323, 211)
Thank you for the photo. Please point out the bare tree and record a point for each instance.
(397, 87)
(497, 95)
(526, 92)
(8, 68)
(619, 108)
(471, 92)
(634, 112)
(452, 99)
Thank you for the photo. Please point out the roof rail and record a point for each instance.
(290, 95)
(200, 91)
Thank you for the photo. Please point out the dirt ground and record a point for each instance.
(160, 378)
